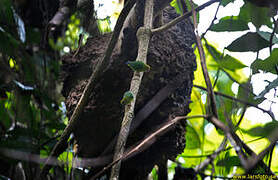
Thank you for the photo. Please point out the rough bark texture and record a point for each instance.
(170, 53)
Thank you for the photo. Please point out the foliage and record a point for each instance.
(225, 71)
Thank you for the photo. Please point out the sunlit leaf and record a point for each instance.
(248, 42)
(229, 161)
(230, 23)
(267, 65)
(175, 4)
(265, 130)
(226, 62)
(154, 174)
(66, 157)
(104, 25)
(192, 138)
(231, 63)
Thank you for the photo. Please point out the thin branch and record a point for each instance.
(211, 99)
(211, 158)
(143, 36)
(239, 100)
(270, 158)
(272, 34)
(65, 9)
(182, 17)
(241, 116)
(148, 140)
(101, 65)
(88, 13)
(221, 148)
(233, 138)
(255, 159)
(106, 159)
(212, 22)
(238, 143)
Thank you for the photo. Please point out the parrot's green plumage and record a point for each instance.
(138, 66)
(127, 98)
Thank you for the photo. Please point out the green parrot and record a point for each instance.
(138, 66)
(127, 98)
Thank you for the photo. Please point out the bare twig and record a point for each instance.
(211, 158)
(65, 9)
(211, 98)
(221, 148)
(255, 159)
(239, 100)
(143, 36)
(180, 18)
(101, 65)
(88, 13)
(272, 34)
(162, 129)
(233, 138)
(237, 143)
(270, 158)
(211, 24)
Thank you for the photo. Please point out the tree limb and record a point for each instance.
(180, 18)
(211, 99)
(238, 100)
(60, 146)
(148, 140)
(143, 36)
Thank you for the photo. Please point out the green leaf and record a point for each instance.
(267, 65)
(5, 119)
(270, 86)
(228, 62)
(175, 4)
(229, 161)
(250, 41)
(154, 174)
(264, 131)
(267, 35)
(245, 92)
(231, 63)
(192, 138)
(230, 23)
(217, 56)
(178, 6)
(226, 2)
(257, 15)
